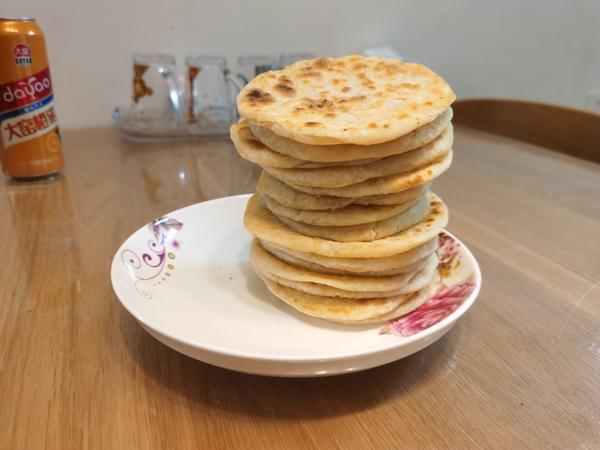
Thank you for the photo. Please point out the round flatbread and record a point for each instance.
(353, 99)
(350, 215)
(349, 152)
(418, 281)
(385, 185)
(419, 265)
(411, 261)
(266, 263)
(287, 257)
(260, 222)
(250, 148)
(394, 198)
(293, 198)
(336, 177)
(350, 311)
(367, 231)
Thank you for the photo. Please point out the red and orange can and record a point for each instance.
(30, 145)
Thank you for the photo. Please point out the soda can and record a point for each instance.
(30, 144)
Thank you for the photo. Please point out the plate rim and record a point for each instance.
(405, 341)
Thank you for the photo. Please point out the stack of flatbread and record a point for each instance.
(344, 221)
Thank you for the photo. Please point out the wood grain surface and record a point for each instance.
(572, 131)
(520, 370)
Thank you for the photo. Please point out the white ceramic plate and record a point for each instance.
(187, 279)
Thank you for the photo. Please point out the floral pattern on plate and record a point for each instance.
(155, 264)
(449, 294)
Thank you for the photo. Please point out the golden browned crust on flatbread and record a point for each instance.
(260, 222)
(353, 99)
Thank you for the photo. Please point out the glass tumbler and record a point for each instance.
(252, 65)
(211, 93)
(156, 93)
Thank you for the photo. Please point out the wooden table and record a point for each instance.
(520, 370)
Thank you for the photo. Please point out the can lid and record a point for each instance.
(17, 19)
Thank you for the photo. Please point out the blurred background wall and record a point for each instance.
(541, 50)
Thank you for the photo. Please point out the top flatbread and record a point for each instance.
(349, 100)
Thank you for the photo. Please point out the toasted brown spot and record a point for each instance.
(322, 103)
(346, 89)
(256, 96)
(312, 124)
(371, 86)
(336, 81)
(392, 69)
(386, 125)
(321, 63)
(429, 103)
(308, 73)
(372, 125)
(409, 86)
(359, 66)
(355, 98)
(330, 115)
(255, 144)
(271, 75)
(285, 89)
